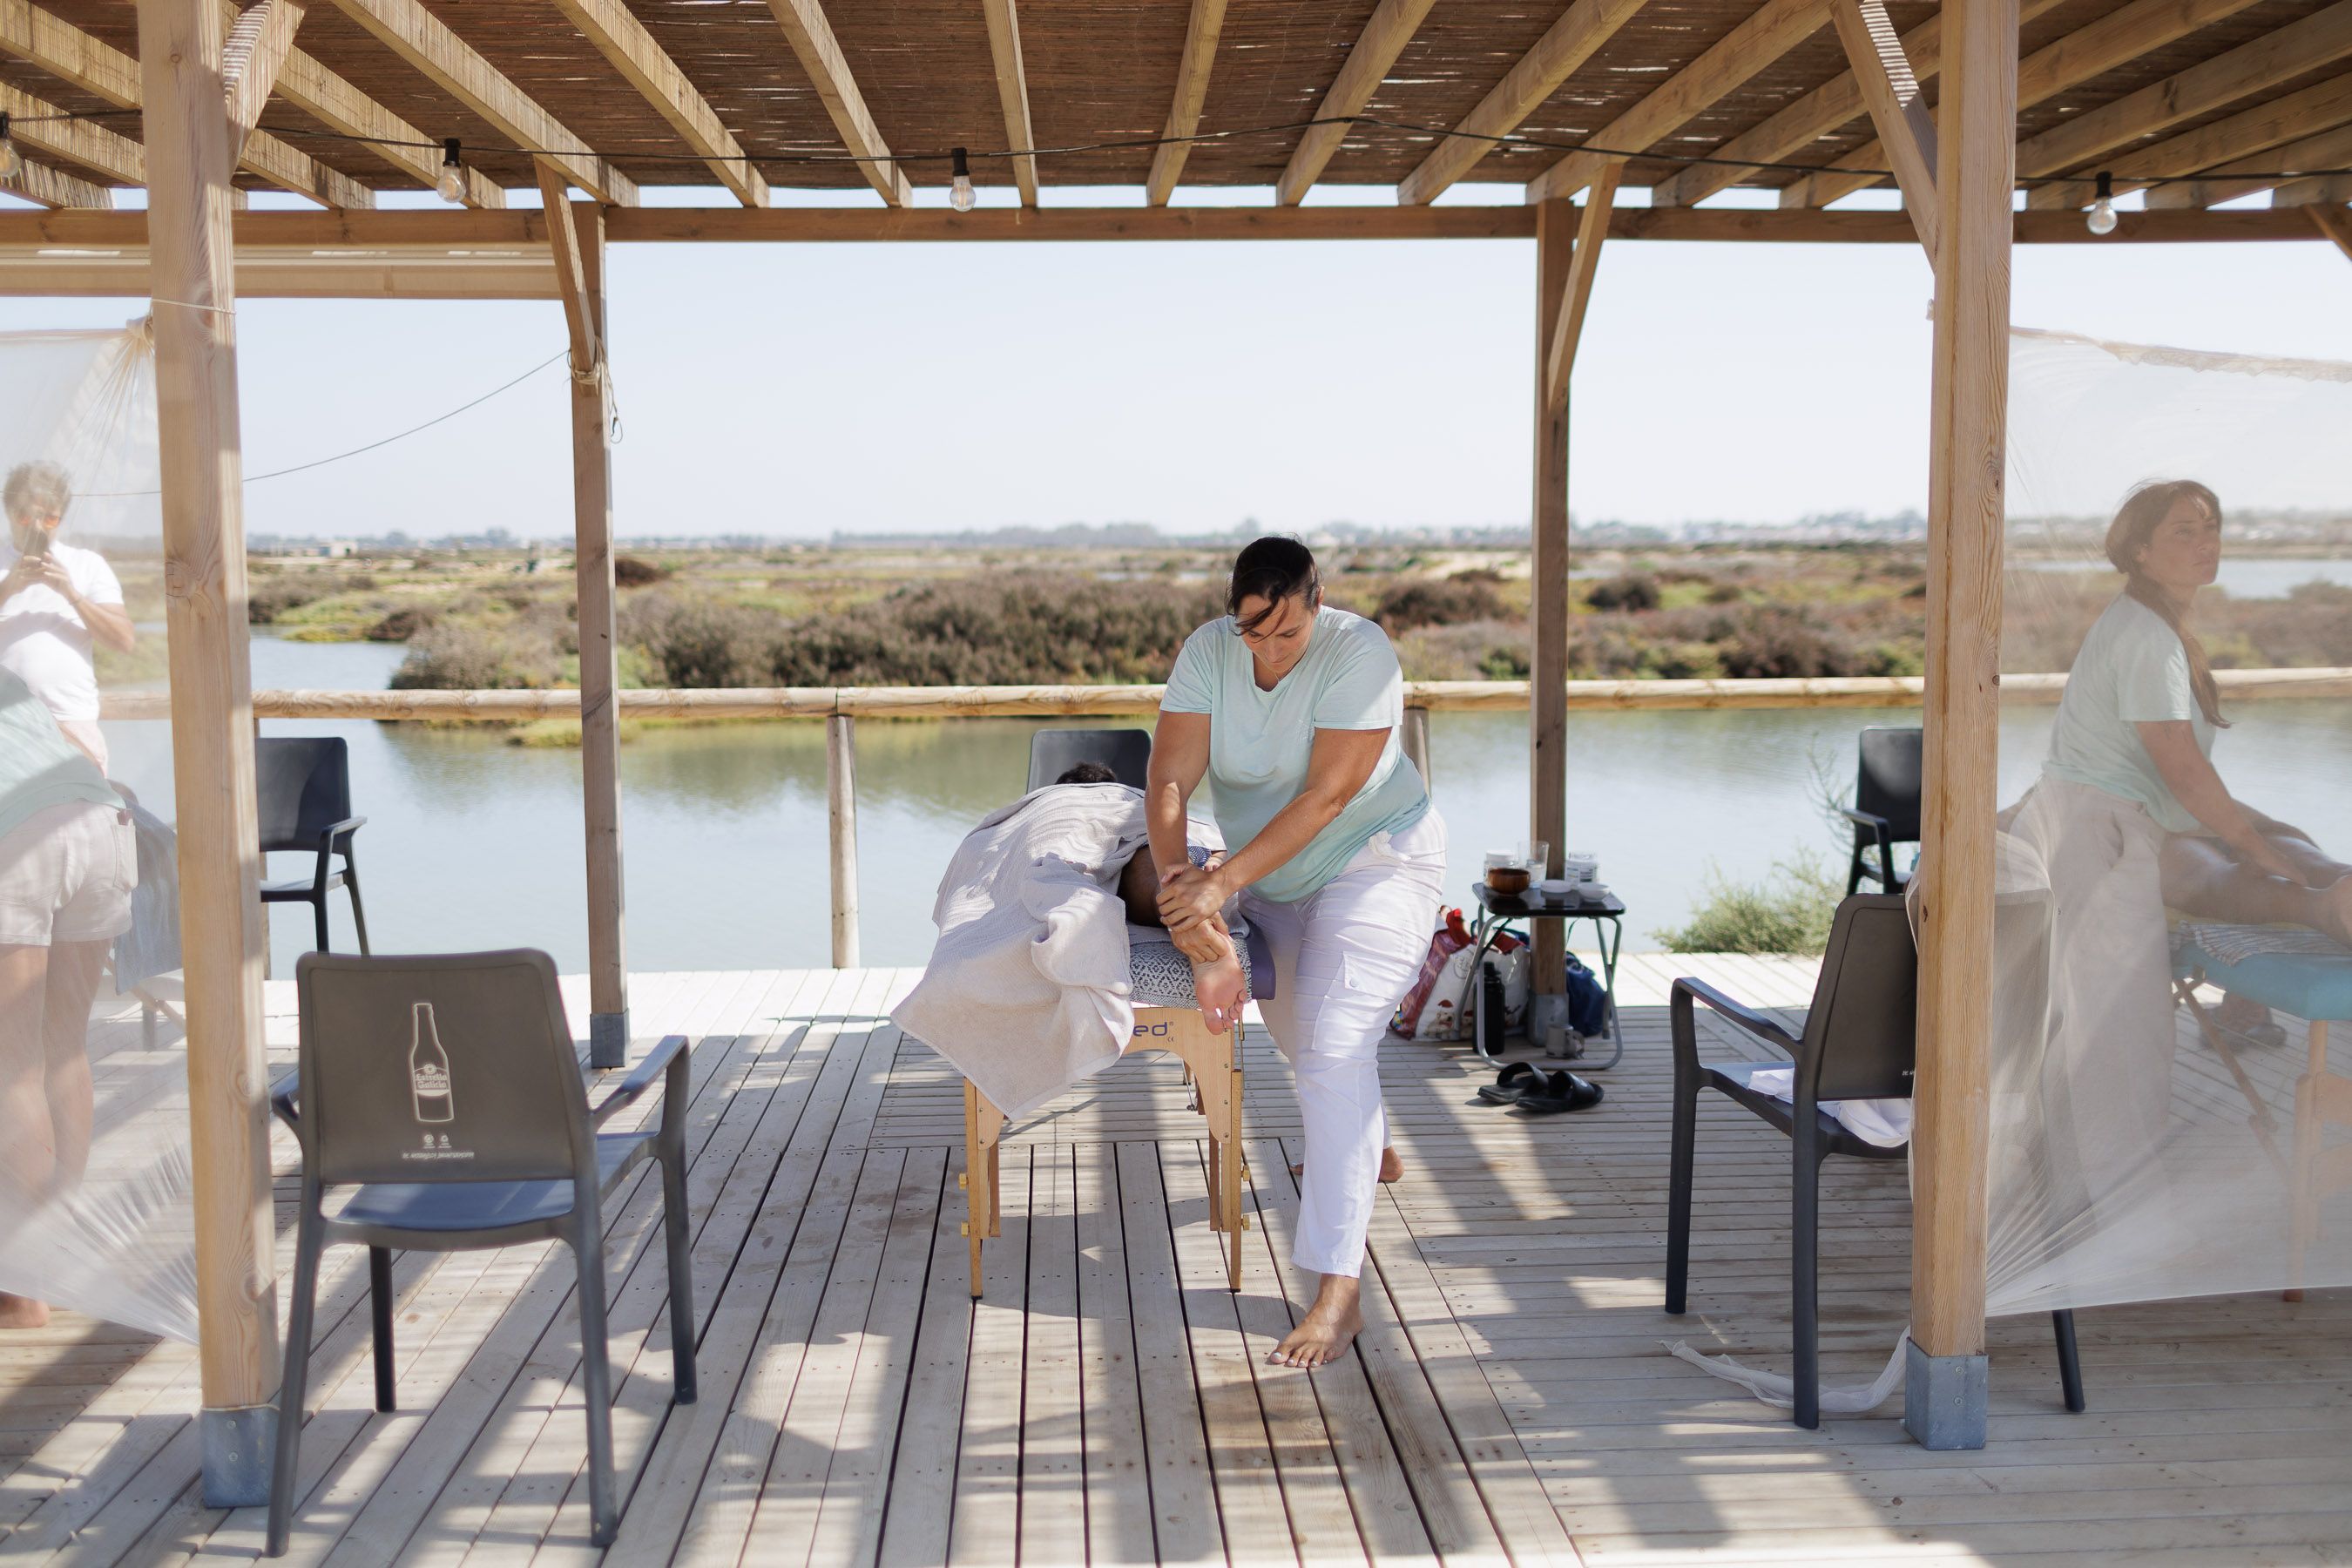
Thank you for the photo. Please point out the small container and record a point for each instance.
(1506, 880)
(1582, 867)
(1558, 890)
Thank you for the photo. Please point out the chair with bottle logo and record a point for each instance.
(441, 1097)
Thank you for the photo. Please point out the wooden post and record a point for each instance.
(1945, 1399)
(841, 816)
(188, 204)
(1415, 741)
(1556, 225)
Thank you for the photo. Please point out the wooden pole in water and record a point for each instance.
(189, 165)
(1556, 224)
(1945, 1399)
(841, 829)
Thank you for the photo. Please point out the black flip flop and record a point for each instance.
(1513, 1084)
(1561, 1091)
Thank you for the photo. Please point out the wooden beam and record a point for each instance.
(2120, 37)
(103, 71)
(257, 46)
(1012, 92)
(54, 188)
(1953, 898)
(1892, 93)
(580, 312)
(622, 39)
(2275, 57)
(1384, 36)
(272, 274)
(1581, 29)
(2336, 222)
(221, 931)
(811, 35)
(1547, 615)
(2255, 171)
(1567, 325)
(37, 122)
(1770, 31)
(327, 98)
(1208, 19)
(2322, 190)
(421, 38)
(2243, 137)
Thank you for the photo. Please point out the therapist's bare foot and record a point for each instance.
(21, 1312)
(1329, 1327)
(1391, 1168)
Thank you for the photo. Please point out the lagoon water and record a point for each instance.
(474, 843)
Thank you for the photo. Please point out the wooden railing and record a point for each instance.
(841, 707)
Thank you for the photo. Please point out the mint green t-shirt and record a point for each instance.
(40, 768)
(2132, 671)
(1259, 741)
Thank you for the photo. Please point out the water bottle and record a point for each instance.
(1491, 1021)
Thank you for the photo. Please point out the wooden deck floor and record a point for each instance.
(1107, 1401)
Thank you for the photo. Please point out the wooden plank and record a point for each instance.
(212, 754)
(583, 312)
(985, 1526)
(326, 97)
(811, 36)
(913, 1521)
(623, 40)
(1012, 92)
(1548, 609)
(256, 48)
(2258, 171)
(1186, 1522)
(1201, 30)
(421, 38)
(1117, 1478)
(1770, 31)
(42, 125)
(2241, 137)
(1953, 894)
(2336, 224)
(1054, 1437)
(1390, 27)
(1584, 261)
(1580, 31)
(1891, 92)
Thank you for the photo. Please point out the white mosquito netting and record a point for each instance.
(94, 1208)
(2168, 927)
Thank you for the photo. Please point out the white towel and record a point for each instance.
(1884, 1122)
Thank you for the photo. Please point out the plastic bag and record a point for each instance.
(1440, 1004)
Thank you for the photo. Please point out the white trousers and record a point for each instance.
(1343, 959)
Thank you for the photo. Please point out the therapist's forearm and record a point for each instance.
(1294, 827)
(2202, 793)
(1163, 819)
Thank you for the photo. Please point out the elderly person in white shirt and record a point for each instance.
(57, 602)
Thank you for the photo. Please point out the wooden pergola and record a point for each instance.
(2194, 101)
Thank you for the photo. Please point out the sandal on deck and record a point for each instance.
(1513, 1084)
(1560, 1092)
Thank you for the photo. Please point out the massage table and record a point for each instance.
(1166, 1019)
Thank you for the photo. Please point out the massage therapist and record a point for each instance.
(1292, 709)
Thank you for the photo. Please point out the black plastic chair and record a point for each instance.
(1886, 810)
(304, 786)
(1860, 1043)
(1125, 752)
(443, 1093)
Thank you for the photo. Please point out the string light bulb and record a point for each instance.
(12, 162)
(2102, 206)
(961, 195)
(451, 187)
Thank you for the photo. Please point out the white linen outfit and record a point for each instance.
(1348, 919)
(46, 644)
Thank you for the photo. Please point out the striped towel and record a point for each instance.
(2236, 944)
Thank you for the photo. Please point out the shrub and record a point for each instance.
(1635, 592)
(1423, 603)
(694, 642)
(270, 598)
(632, 571)
(1770, 641)
(468, 659)
(1787, 911)
(404, 624)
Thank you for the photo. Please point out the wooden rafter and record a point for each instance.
(51, 188)
(622, 39)
(2336, 222)
(1581, 29)
(2257, 171)
(255, 49)
(811, 36)
(2114, 39)
(1773, 31)
(99, 69)
(422, 39)
(2246, 138)
(1377, 47)
(1208, 19)
(1892, 92)
(2265, 62)
(1012, 92)
(2314, 191)
(327, 98)
(1584, 260)
(37, 123)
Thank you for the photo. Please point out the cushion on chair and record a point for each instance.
(1731, 1079)
(485, 1205)
(2308, 985)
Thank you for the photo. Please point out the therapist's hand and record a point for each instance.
(1190, 895)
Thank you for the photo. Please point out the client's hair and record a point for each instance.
(1086, 773)
(1274, 568)
(2136, 523)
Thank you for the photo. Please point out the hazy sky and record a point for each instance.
(795, 391)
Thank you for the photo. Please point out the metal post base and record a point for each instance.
(1945, 1398)
(239, 1445)
(608, 1039)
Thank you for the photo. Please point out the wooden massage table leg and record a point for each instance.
(1212, 1067)
(983, 1126)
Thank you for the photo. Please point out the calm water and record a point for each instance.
(474, 843)
(2252, 576)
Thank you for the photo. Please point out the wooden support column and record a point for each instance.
(841, 836)
(1945, 1398)
(1556, 225)
(576, 235)
(193, 287)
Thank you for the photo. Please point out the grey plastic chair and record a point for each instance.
(1860, 1043)
(1125, 752)
(443, 1094)
(1886, 810)
(303, 789)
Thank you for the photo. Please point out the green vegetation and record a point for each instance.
(1787, 911)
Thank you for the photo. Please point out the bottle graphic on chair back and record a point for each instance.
(429, 1069)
